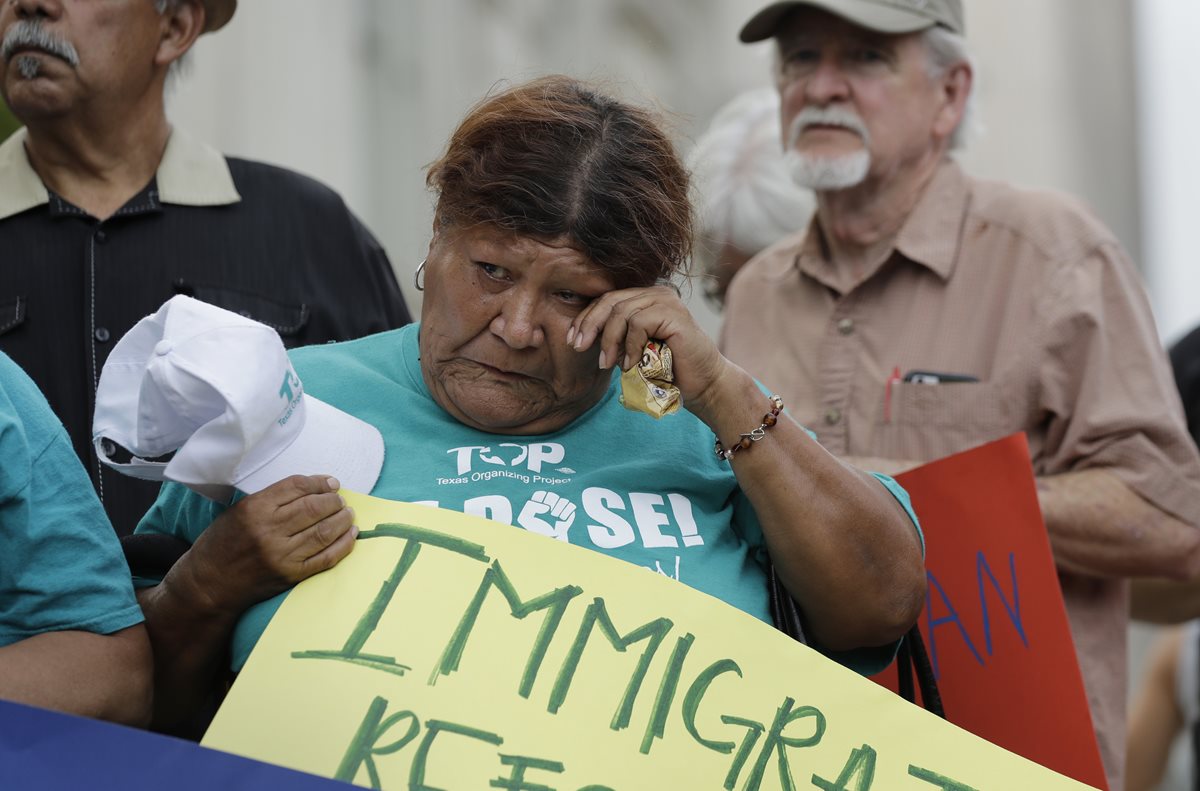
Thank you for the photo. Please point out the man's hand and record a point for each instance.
(268, 542)
(1100, 527)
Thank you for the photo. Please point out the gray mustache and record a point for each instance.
(29, 34)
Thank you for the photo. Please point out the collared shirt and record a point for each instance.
(1031, 297)
(265, 242)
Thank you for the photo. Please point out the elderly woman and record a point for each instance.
(559, 210)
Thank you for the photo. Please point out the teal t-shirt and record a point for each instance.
(61, 567)
(649, 492)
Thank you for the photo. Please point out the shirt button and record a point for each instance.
(101, 236)
(102, 334)
(846, 326)
(832, 416)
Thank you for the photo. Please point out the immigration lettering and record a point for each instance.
(447, 652)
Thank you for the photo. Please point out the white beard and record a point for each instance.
(828, 173)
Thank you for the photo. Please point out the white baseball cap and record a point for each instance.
(218, 391)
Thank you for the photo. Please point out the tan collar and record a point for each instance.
(194, 174)
(190, 174)
(929, 236)
(22, 189)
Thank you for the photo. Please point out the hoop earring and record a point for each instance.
(417, 277)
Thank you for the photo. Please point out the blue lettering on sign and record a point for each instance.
(932, 624)
(1014, 612)
(1013, 609)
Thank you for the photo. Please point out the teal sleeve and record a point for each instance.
(905, 501)
(62, 567)
(178, 512)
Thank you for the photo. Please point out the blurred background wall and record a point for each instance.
(1090, 97)
(363, 93)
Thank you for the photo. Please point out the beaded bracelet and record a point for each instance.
(769, 419)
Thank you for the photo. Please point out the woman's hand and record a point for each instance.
(269, 541)
(842, 544)
(621, 322)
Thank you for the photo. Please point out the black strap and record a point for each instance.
(904, 678)
(152, 554)
(784, 611)
(911, 658)
(1195, 730)
(1195, 756)
(913, 648)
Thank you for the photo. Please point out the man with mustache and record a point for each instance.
(925, 311)
(106, 212)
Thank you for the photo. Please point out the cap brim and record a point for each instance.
(117, 395)
(870, 15)
(331, 443)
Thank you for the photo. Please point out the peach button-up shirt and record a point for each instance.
(1031, 297)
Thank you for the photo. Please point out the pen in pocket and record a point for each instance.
(887, 394)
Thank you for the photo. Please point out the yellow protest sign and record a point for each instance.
(448, 652)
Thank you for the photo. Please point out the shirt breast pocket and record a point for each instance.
(12, 313)
(288, 319)
(928, 421)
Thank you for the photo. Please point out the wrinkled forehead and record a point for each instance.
(494, 244)
(498, 240)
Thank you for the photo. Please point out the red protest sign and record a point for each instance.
(995, 625)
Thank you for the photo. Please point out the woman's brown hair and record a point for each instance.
(554, 159)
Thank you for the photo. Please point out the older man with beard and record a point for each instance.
(106, 212)
(925, 311)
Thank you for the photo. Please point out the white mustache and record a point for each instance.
(827, 116)
(29, 34)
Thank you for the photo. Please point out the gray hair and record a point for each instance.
(184, 62)
(948, 49)
(744, 194)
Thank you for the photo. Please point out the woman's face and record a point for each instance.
(494, 323)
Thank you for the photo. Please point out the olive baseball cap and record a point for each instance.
(882, 16)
